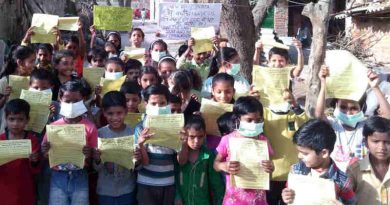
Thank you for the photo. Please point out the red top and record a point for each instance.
(16, 177)
(79, 64)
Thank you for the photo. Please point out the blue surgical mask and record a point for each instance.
(236, 67)
(157, 55)
(113, 76)
(156, 110)
(250, 129)
(349, 120)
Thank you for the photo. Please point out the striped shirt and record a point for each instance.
(161, 168)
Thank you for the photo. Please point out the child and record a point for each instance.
(136, 37)
(116, 184)
(78, 47)
(348, 121)
(16, 177)
(180, 83)
(20, 62)
(175, 103)
(314, 141)
(227, 61)
(248, 116)
(111, 50)
(166, 65)
(69, 183)
(149, 76)
(63, 64)
(132, 92)
(184, 56)
(133, 69)
(197, 179)
(97, 57)
(114, 68)
(156, 178)
(115, 39)
(226, 124)
(158, 49)
(370, 176)
(44, 56)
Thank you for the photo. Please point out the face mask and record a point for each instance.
(110, 55)
(250, 129)
(113, 76)
(72, 110)
(156, 55)
(156, 110)
(236, 67)
(349, 120)
(283, 107)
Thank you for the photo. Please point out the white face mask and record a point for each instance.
(283, 107)
(111, 55)
(156, 110)
(157, 55)
(250, 129)
(45, 91)
(113, 76)
(72, 110)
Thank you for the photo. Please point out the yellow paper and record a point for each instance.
(111, 85)
(112, 18)
(44, 27)
(14, 149)
(273, 43)
(118, 150)
(347, 76)
(66, 144)
(132, 119)
(250, 152)
(202, 38)
(93, 76)
(210, 112)
(166, 129)
(68, 23)
(135, 53)
(39, 109)
(18, 83)
(311, 190)
(271, 83)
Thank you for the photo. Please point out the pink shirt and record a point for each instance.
(238, 196)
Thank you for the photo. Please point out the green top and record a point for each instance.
(195, 181)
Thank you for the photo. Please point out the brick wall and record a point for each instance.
(375, 35)
(281, 18)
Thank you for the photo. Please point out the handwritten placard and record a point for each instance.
(176, 19)
(112, 18)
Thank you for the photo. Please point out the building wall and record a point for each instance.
(281, 18)
(375, 35)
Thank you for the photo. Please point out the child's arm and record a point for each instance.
(288, 195)
(58, 42)
(320, 108)
(231, 167)
(143, 137)
(257, 55)
(300, 61)
(5, 96)
(182, 156)
(92, 29)
(82, 46)
(373, 81)
(27, 38)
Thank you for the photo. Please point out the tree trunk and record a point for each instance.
(259, 12)
(318, 13)
(238, 22)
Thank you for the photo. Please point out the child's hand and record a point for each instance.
(197, 113)
(8, 91)
(195, 97)
(324, 72)
(254, 93)
(80, 25)
(336, 202)
(215, 40)
(52, 108)
(96, 155)
(179, 202)
(259, 45)
(92, 29)
(191, 42)
(56, 31)
(268, 166)
(29, 33)
(34, 157)
(87, 151)
(288, 96)
(288, 196)
(45, 148)
(98, 89)
(373, 79)
(233, 167)
(137, 154)
(183, 137)
(124, 57)
(297, 43)
(144, 136)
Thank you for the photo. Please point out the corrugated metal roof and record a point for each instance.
(371, 8)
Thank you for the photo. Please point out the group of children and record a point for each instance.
(348, 148)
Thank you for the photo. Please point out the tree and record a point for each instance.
(318, 13)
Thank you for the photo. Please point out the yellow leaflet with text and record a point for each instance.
(347, 76)
(18, 83)
(11, 150)
(310, 190)
(118, 150)
(112, 18)
(166, 129)
(39, 108)
(249, 152)
(93, 76)
(44, 28)
(211, 111)
(111, 85)
(202, 38)
(271, 83)
(66, 144)
(135, 53)
(68, 23)
(132, 119)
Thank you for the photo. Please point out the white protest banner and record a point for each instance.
(176, 19)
